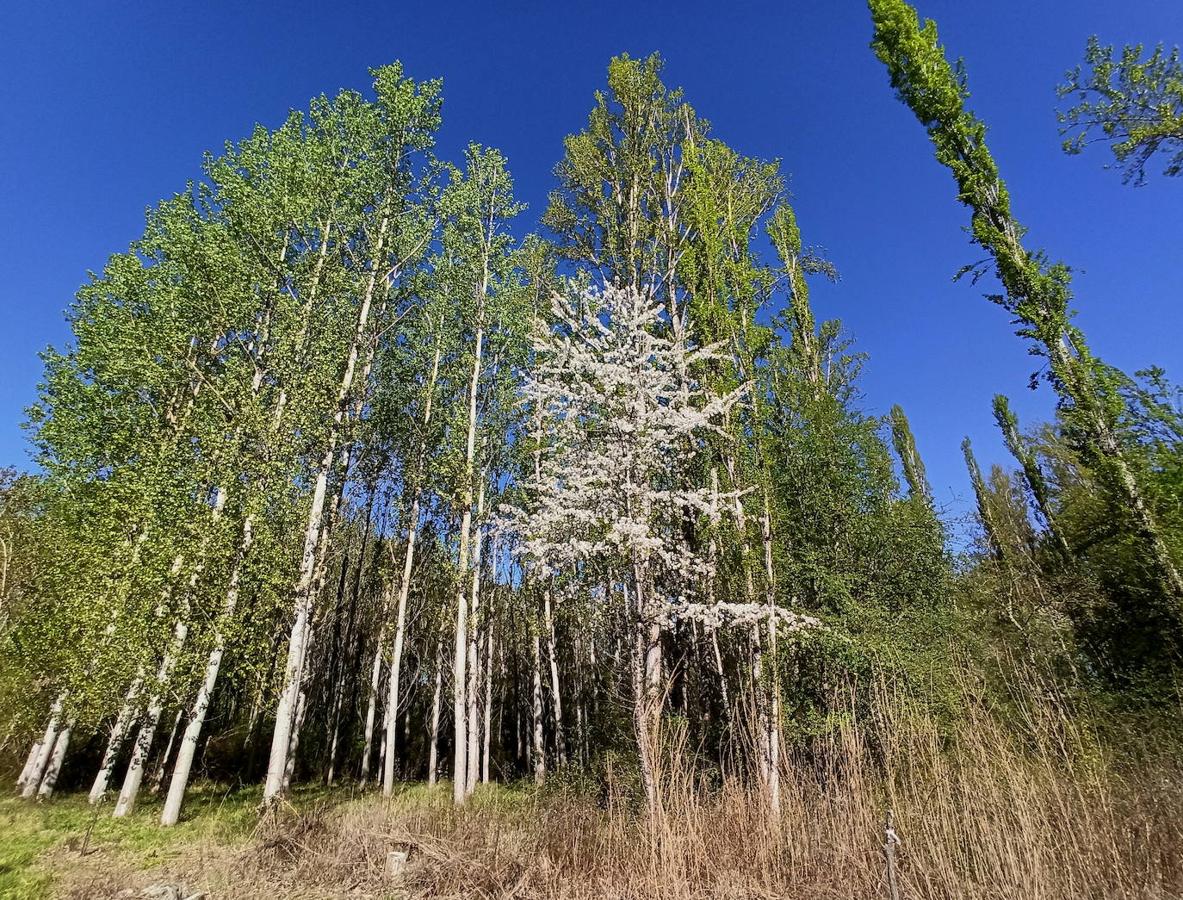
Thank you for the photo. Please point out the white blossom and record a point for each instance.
(619, 419)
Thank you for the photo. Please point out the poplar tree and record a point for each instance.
(1033, 475)
(1037, 293)
(378, 231)
(1130, 101)
(905, 448)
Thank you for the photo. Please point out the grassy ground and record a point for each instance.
(1041, 809)
(50, 848)
(68, 849)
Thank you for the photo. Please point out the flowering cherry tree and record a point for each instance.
(619, 420)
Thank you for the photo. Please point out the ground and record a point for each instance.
(67, 848)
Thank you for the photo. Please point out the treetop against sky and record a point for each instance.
(106, 112)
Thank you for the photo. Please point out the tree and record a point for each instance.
(905, 448)
(382, 231)
(617, 419)
(1036, 294)
(1130, 102)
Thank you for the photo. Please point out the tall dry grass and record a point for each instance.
(1035, 806)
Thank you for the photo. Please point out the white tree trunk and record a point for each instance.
(460, 655)
(38, 759)
(372, 705)
(773, 703)
(647, 679)
(285, 712)
(188, 749)
(539, 742)
(474, 638)
(393, 701)
(394, 685)
(436, 702)
(487, 730)
(290, 767)
(119, 730)
(30, 761)
(385, 728)
(54, 768)
(548, 619)
(147, 732)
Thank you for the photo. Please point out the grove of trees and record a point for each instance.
(339, 478)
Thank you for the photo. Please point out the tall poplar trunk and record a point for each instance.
(343, 665)
(128, 711)
(39, 756)
(30, 761)
(460, 655)
(372, 704)
(119, 729)
(556, 694)
(151, 719)
(289, 768)
(771, 724)
(303, 601)
(436, 702)
(394, 678)
(539, 743)
(185, 754)
(646, 677)
(54, 765)
(404, 589)
(487, 730)
(384, 732)
(474, 638)
(712, 571)
(179, 781)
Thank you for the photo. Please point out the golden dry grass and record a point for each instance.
(1037, 812)
(1033, 807)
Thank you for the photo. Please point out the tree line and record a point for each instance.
(342, 479)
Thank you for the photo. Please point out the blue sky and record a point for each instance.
(106, 108)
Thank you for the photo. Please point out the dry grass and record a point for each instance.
(1039, 812)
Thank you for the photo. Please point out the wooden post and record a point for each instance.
(891, 840)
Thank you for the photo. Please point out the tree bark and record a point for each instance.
(119, 729)
(372, 705)
(556, 694)
(39, 756)
(147, 731)
(54, 766)
(460, 655)
(772, 723)
(394, 684)
(298, 642)
(184, 764)
(436, 702)
(539, 743)
(486, 731)
(474, 639)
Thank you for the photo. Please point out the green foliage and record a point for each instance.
(1132, 102)
(1037, 295)
(905, 448)
(262, 362)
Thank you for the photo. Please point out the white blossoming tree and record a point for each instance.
(618, 421)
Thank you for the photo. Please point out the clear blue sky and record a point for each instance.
(106, 108)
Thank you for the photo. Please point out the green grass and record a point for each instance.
(31, 832)
(39, 839)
